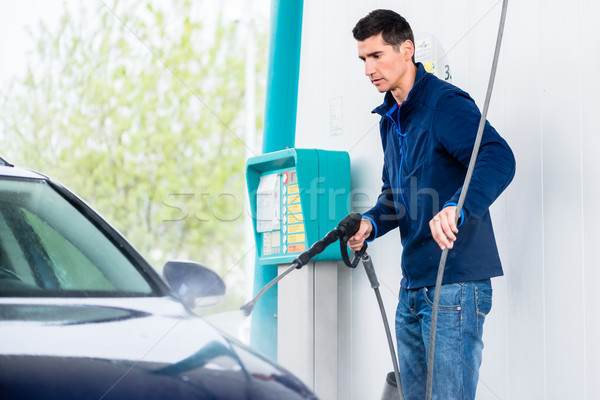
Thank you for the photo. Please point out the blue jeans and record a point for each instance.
(458, 345)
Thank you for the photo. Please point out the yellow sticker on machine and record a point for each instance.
(295, 218)
(294, 208)
(296, 228)
(295, 198)
(292, 189)
(297, 238)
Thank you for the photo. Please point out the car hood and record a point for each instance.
(129, 348)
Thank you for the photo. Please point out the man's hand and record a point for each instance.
(356, 242)
(443, 227)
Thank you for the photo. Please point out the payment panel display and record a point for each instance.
(279, 214)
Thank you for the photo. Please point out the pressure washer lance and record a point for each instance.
(345, 230)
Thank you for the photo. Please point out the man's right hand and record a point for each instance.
(356, 242)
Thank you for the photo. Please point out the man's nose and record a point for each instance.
(369, 70)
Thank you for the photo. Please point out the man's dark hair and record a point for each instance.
(394, 29)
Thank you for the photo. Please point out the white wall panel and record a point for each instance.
(541, 339)
(587, 61)
(562, 180)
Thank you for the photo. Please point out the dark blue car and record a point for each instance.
(84, 316)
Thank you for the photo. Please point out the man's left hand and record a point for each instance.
(443, 227)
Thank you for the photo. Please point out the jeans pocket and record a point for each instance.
(451, 296)
(483, 297)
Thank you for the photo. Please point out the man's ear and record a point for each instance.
(408, 49)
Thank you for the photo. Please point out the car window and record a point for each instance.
(48, 247)
(73, 269)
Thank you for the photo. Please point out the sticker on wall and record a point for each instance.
(336, 116)
(429, 52)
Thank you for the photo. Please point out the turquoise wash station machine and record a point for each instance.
(296, 197)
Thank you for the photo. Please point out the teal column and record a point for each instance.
(279, 133)
(282, 75)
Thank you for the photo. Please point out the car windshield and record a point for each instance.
(49, 248)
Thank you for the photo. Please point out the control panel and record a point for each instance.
(297, 196)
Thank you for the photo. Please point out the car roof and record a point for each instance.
(18, 172)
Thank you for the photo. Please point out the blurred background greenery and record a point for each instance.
(139, 108)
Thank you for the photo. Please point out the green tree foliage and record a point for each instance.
(139, 109)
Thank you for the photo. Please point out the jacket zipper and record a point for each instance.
(402, 152)
(397, 127)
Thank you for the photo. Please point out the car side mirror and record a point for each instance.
(195, 284)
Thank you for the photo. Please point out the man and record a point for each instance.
(428, 129)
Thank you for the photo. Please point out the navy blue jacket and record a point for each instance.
(427, 143)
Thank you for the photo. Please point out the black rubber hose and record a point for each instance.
(370, 270)
(461, 200)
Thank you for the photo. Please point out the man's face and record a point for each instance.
(385, 66)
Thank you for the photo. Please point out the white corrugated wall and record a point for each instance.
(541, 339)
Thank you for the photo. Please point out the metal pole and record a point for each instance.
(279, 133)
